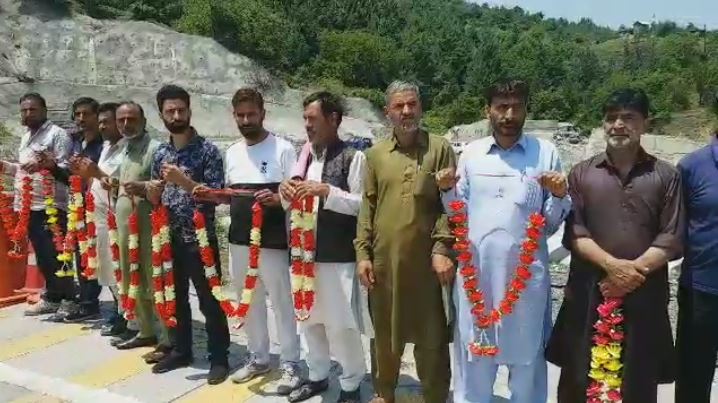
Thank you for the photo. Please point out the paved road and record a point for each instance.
(47, 362)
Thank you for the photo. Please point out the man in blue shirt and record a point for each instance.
(186, 161)
(697, 336)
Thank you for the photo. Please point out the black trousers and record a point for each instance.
(697, 345)
(188, 265)
(89, 297)
(40, 236)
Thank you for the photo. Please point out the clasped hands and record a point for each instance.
(624, 276)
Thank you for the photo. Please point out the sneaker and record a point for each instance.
(66, 308)
(349, 397)
(81, 315)
(43, 307)
(250, 371)
(307, 390)
(217, 373)
(289, 380)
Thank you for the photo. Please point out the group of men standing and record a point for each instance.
(381, 221)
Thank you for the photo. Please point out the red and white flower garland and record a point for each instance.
(89, 260)
(302, 246)
(162, 275)
(51, 211)
(606, 363)
(210, 270)
(134, 258)
(9, 217)
(19, 233)
(250, 280)
(469, 273)
(115, 250)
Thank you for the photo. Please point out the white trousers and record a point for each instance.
(273, 280)
(332, 328)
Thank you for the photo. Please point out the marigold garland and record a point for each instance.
(51, 211)
(134, 258)
(469, 273)
(90, 258)
(115, 250)
(162, 276)
(302, 244)
(606, 363)
(19, 233)
(250, 280)
(75, 229)
(210, 270)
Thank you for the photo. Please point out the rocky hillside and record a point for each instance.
(64, 58)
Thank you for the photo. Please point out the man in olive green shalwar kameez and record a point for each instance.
(402, 246)
(134, 172)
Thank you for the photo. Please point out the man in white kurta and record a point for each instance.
(332, 174)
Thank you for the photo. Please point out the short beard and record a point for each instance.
(177, 127)
(251, 132)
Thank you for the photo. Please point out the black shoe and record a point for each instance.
(349, 397)
(123, 337)
(137, 342)
(115, 329)
(218, 373)
(307, 390)
(81, 315)
(158, 354)
(171, 362)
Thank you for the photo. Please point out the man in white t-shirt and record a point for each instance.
(258, 163)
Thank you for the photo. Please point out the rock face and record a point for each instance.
(64, 58)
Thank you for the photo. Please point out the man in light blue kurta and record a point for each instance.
(503, 181)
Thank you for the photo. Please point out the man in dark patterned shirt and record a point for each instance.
(188, 160)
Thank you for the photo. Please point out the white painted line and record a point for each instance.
(59, 388)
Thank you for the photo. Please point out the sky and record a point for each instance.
(613, 13)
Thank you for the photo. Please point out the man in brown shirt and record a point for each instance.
(626, 224)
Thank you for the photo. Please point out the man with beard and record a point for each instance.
(43, 138)
(333, 178)
(183, 163)
(258, 163)
(626, 224)
(503, 179)
(134, 175)
(403, 247)
(87, 144)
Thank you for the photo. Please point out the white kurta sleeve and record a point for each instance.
(344, 202)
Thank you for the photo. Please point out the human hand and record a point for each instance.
(446, 179)
(265, 197)
(288, 189)
(311, 188)
(443, 267)
(554, 182)
(365, 269)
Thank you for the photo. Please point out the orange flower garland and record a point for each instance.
(468, 271)
(210, 270)
(75, 228)
(19, 233)
(606, 354)
(302, 246)
(250, 280)
(134, 258)
(48, 183)
(162, 276)
(90, 265)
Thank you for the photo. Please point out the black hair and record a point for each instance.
(507, 87)
(329, 103)
(108, 107)
(171, 91)
(628, 98)
(248, 95)
(34, 96)
(94, 105)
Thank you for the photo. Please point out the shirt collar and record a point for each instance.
(521, 144)
(643, 157)
(422, 140)
(41, 129)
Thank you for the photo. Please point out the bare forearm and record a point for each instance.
(589, 250)
(653, 258)
(187, 184)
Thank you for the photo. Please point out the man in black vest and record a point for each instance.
(333, 175)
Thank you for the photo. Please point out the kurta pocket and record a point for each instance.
(425, 184)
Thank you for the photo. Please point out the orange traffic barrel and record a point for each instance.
(12, 273)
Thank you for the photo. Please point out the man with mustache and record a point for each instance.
(504, 179)
(183, 163)
(43, 138)
(403, 247)
(258, 163)
(627, 222)
(134, 175)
